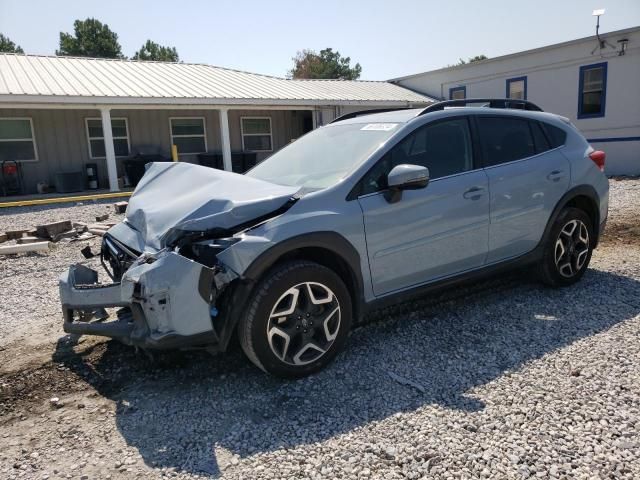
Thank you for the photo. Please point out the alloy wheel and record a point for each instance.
(572, 248)
(303, 323)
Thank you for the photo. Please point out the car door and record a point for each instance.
(431, 232)
(527, 178)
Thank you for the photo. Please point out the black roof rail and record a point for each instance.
(347, 116)
(491, 103)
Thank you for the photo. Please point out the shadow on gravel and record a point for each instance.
(194, 413)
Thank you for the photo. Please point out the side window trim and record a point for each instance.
(475, 162)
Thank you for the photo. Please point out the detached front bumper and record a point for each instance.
(84, 300)
(164, 300)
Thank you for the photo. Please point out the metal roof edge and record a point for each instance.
(32, 101)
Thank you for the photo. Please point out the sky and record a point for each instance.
(389, 38)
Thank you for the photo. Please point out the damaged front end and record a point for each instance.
(167, 281)
(163, 300)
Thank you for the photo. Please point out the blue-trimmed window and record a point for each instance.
(592, 90)
(458, 93)
(517, 88)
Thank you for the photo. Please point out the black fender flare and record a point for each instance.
(578, 191)
(326, 240)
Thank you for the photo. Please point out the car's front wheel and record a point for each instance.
(297, 319)
(568, 249)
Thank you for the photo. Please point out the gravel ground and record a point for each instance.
(503, 379)
(30, 304)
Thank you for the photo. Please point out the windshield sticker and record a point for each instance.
(380, 127)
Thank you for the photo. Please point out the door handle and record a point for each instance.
(473, 193)
(555, 176)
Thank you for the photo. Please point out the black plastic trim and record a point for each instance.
(235, 300)
(332, 241)
(421, 290)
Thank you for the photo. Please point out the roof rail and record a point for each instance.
(491, 103)
(347, 116)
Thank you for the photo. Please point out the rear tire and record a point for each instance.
(297, 319)
(568, 249)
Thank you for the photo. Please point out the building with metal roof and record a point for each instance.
(60, 114)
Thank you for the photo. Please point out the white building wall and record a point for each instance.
(552, 83)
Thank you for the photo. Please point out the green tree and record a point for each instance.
(477, 58)
(8, 46)
(326, 64)
(91, 39)
(152, 51)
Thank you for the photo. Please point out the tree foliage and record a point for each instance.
(477, 58)
(7, 46)
(152, 51)
(326, 64)
(91, 39)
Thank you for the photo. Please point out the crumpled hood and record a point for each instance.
(175, 198)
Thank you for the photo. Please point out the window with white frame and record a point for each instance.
(95, 137)
(188, 134)
(16, 140)
(256, 134)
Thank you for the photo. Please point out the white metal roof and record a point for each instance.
(45, 79)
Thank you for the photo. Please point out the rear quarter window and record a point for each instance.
(556, 136)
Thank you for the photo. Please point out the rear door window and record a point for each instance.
(505, 139)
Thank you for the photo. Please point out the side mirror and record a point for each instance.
(405, 177)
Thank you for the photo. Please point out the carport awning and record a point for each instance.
(43, 79)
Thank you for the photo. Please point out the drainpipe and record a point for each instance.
(226, 141)
(110, 152)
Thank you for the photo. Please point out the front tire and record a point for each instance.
(297, 320)
(568, 250)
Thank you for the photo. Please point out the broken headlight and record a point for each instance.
(206, 251)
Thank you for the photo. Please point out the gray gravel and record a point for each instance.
(505, 379)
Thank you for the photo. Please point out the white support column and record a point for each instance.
(314, 118)
(110, 153)
(226, 141)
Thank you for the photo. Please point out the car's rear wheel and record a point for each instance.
(568, 249)
(297, 319)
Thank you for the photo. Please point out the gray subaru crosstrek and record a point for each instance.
(370, 209)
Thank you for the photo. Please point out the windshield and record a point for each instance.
(324, 156)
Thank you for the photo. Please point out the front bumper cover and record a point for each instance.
(165, 301)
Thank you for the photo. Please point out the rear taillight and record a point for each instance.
(598, 157)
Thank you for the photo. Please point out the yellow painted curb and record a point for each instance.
(79, 198)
